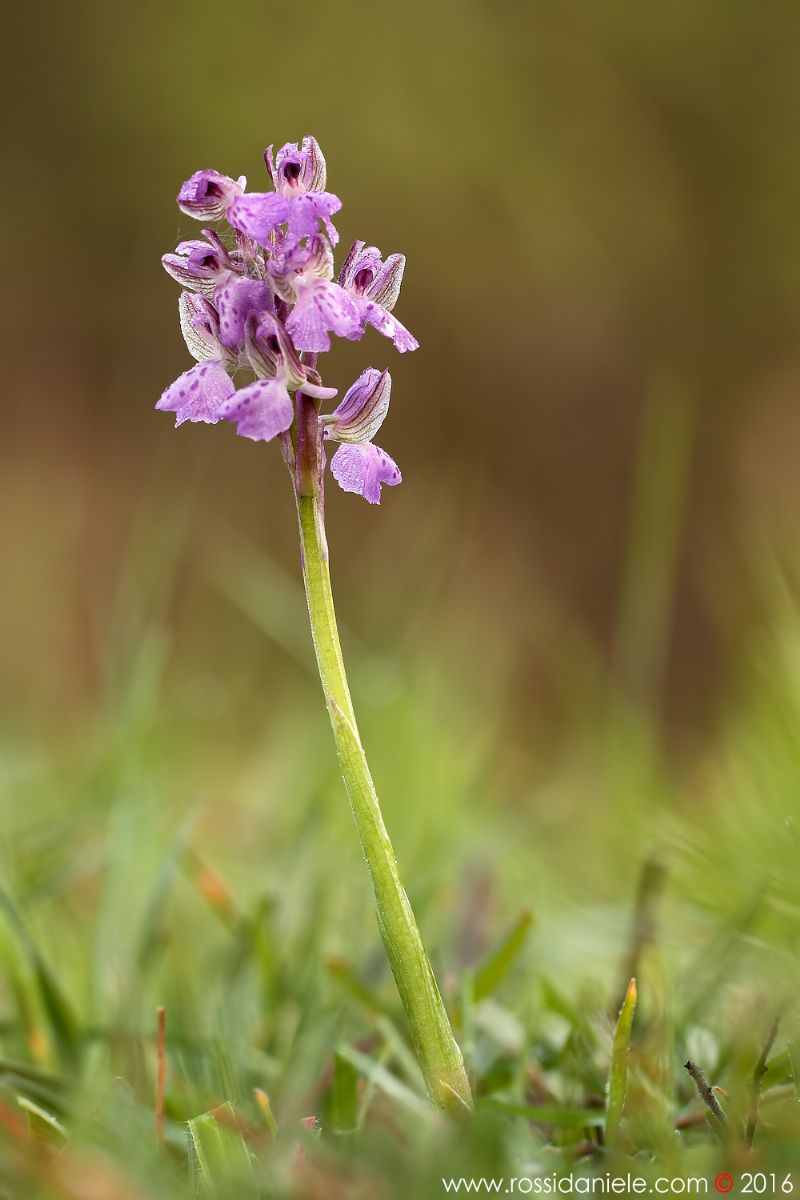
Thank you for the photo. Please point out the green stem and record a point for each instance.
(437, 1050)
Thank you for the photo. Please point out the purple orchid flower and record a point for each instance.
(304, 277)
(264, 409)
(358, 465)
(235, 300)
(299, 200)
(300, 175)
(207, 195)
(296, 170)
(199, 322)
(200, 265)
(374, 286)
(197, 394)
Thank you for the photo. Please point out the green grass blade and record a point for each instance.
(219, 1153)
(344, 1095)
(618, 1072)
(384, 1081)
(63, 1024)
(340, 970)
(548, 1114)
(43, 1124)
(498, 963)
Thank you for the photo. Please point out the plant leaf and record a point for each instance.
(62, 1021)
(219, 1152)
(499, 961)
(344, 1095)
(387, 1083)
(618, 1071)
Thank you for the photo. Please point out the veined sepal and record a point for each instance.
(362, 410)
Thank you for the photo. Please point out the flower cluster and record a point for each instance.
(259, 303)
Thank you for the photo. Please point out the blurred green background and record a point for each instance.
(593, 198)
(572, 630)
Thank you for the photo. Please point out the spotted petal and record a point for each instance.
(261, 410)
(362, 469)
(235, 300)
(198, 394)
(377, 316)
(258, 214)
(321, 308)
(307, 210)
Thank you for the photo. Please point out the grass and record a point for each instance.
(165, 855)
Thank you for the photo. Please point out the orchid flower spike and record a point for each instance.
(260, 304)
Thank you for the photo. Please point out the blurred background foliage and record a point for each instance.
(593, 199)
(573, 630)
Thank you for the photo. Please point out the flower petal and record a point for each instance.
(362, 469)
(298, 267)
(199, 326)
(305, 212)
(207, 195)
(363, 408)
(198, 393)
(384, 288)
(321, 307)
(373, 314)
(261, 410)
(270, 350)
(348, 268)
(258, 214)
(235, 300)
(317, 390)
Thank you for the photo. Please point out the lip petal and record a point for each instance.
(363, 469)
